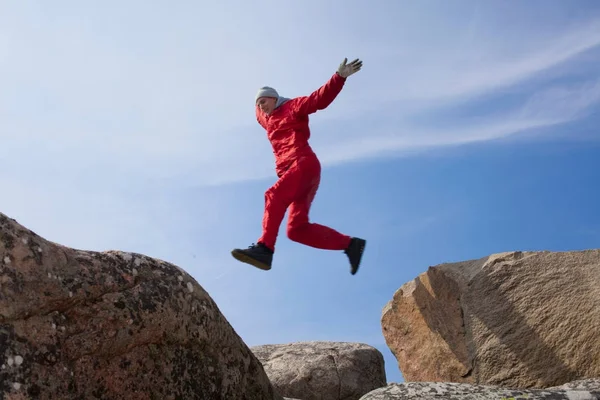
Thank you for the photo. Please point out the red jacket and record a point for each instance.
(287, 126)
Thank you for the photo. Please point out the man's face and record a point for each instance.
(267, 104)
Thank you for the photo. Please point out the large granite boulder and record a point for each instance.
(112, 325)
(465, 391)
(322, 370)
(517, 319)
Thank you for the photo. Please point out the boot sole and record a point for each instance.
(363, 244)
(249, 260)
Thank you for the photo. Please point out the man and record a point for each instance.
(299, 173)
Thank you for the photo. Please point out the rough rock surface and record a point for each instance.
(582, 384)
(465, 391)
(322, 370)
(112, 325)
(517, 319)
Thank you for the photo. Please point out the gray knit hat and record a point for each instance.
(266, 91)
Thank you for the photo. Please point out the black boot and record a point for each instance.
(257, 255)
(354, 253)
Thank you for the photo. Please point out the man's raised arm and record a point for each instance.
(324, 96)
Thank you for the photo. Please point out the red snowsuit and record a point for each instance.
(298, 170)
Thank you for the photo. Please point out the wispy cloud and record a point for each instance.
(543, 109)
(479, 67)
(561, 103)
(170, 98)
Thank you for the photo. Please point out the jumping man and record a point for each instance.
(299, 173)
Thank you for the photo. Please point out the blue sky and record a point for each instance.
(472, 129)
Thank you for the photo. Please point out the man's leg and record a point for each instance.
(277, 199)
(301, 230)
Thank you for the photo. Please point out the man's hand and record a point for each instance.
(345, 70)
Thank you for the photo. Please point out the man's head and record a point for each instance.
(266, 99)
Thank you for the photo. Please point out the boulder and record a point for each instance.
(112, 325)
(465, 391)
(516, 319)
(322, 370)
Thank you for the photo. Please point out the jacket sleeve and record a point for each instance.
(260, 117)
(320, 98)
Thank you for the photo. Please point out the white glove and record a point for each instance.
(345, 70)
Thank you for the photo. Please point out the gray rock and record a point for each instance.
(112, 325)
(322, 370)
(465, 391)
(582, 384)
(516, 319)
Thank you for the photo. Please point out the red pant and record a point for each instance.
(296, 189)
